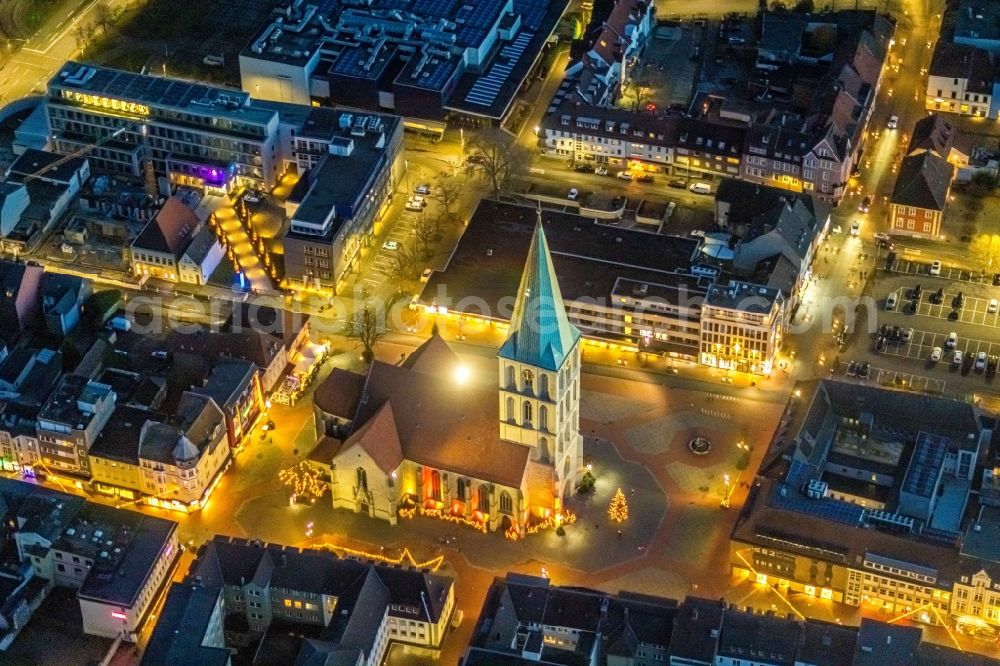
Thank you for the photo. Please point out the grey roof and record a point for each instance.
(923, 182)
(826, 643)
(119, 438)
(201, 245)
(977, 20)
(958, 61)
(42, 164)
(932, 133)
(697, 629)
(228, 377)
(180, 629)
(883, 644)
(743, 296)
(772, 639)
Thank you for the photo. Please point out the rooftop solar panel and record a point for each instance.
(485, 90)
(828, 509)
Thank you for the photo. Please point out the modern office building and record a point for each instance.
(629, 288)
(189, 133)
(350, 165)
(425, 59)
(865, 504)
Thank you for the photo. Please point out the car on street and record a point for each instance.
(935, 267)
(952, 341)
(881, 236)
(677, 183)
(624, 175)
(583, 168)
(866, 204)
(980, 361)
(856, 227)
(390, 245)
(893, 122)
(426, 275)
(601, 171)
(936, 354)
(573, 194)
(992, 306)
(422, 189)
(956, 358)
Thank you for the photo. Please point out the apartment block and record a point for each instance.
(70, 421)
(741, 327)
(260, 594)
(960, 80)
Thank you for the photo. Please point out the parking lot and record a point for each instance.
(920, 346)
(381, 270)
(892, 378)
(974, 310)
(913, 267)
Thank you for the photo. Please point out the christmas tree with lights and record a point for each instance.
(618, 510)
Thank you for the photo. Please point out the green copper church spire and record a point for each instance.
(540, 332)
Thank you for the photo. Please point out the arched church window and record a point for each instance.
(527, 380)
(506, 503)
(543, 417)
(527, 413)
(362, 478)
(483, 501)
(435, 489)
(543, 386)
(511, 416)
(510, 376)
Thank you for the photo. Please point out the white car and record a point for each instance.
(935, 267)
(426, 275)
(418, 199)
(893, 122)
(414, 206)
(906, 335)
(856, 228)
(624, 175)
(252, 197)
(881, 236)
(573, 194)
(952, 340)
(936, 354)
(390, 245)
(956, 358)
(980, 361)
(992, 306)
(601, 171)
(422, 189)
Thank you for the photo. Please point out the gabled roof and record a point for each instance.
(434, 357)
(340, 393)
(379, 439)
(932, 134)
(923, 182)
(200, 246)
(540, 332)
(170, 231)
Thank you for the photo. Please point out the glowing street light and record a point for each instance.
(461, 374)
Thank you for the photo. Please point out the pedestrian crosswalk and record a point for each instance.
(718, 414)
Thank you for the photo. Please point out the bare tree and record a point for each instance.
(425, 231)
(403, 266)
(986, 248)
(498, 157)
(446, 192)
(83, 33)
(103, 17)
(368, 327)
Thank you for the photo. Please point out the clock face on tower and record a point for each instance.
(528, 378)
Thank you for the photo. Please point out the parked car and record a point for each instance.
(866, 204)
(906, 335)
(992, 306)
(980, 361)
(601, 171)
(890, 261)
(624, 175)
(917, 291)
(890, 301)
(938, 296)
(645, 178)
(881, 342)
(958, 301)
(422, 189)
(956, 358)
(678, 183)
(935, 267)
(865, 371)
(700, 188)
(952, 340)
(996, 279)
(583, 168)
(991, 365)
(852, 368)
(936, 354)
(476, 158)
(573, 194)
(426, 275)
(390, 245)
(414, 206)
(967, 362)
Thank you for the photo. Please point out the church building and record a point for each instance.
(414, 435)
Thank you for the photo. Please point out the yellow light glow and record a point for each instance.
(461, 374)
(762, 579)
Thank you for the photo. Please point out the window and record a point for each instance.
(510, 409)
(506, 503)
(544, 386)
(510, 376)
(362, 478)
(527, 380)
(483, 499)
(543, 418)
(526, 417)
